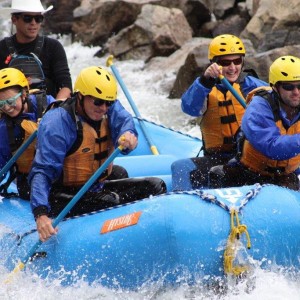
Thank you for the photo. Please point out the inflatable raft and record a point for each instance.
(177, 237)
(171, 146)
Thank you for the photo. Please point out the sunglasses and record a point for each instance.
(29, 18)
(11, 101)
(227, 62)
(290, 87)
(100, 102)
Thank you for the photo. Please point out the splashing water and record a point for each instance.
(147, 90)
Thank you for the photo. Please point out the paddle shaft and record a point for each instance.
(232, 90)
(18, 153)
(75, 199)
(109, 63)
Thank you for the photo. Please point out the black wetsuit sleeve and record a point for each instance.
(56, 63)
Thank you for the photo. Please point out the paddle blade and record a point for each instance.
(18, 268)
(154, 150)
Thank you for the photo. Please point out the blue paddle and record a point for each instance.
(232, 90)
(110, 64)
(19, 152)
(64, 212)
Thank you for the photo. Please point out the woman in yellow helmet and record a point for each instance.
(270, 152)
(20, 113)
(221, 113)
(74, 139)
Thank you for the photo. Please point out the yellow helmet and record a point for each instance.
(96, 82)
(225, 44)
(285, 68)
(12, 77)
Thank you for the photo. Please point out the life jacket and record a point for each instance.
(222, 120)
(90, 150)
(252, 93)
(24, 162)
(259, 163)
(26, 127)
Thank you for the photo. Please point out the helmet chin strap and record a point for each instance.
(280, 98)
(277, 93)
(82, 112)
(23, 104)
(81, 104)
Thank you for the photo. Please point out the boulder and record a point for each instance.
(158, 31)
(274, 25)
(95, 23)
(59, 20)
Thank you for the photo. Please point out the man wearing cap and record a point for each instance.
(27, 16)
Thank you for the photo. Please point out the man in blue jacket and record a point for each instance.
(20, 113)
(74, 139)
(270, 149)
(221, 113)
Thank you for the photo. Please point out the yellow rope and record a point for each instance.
(230, 253)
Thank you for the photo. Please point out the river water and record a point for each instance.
(147, 89)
